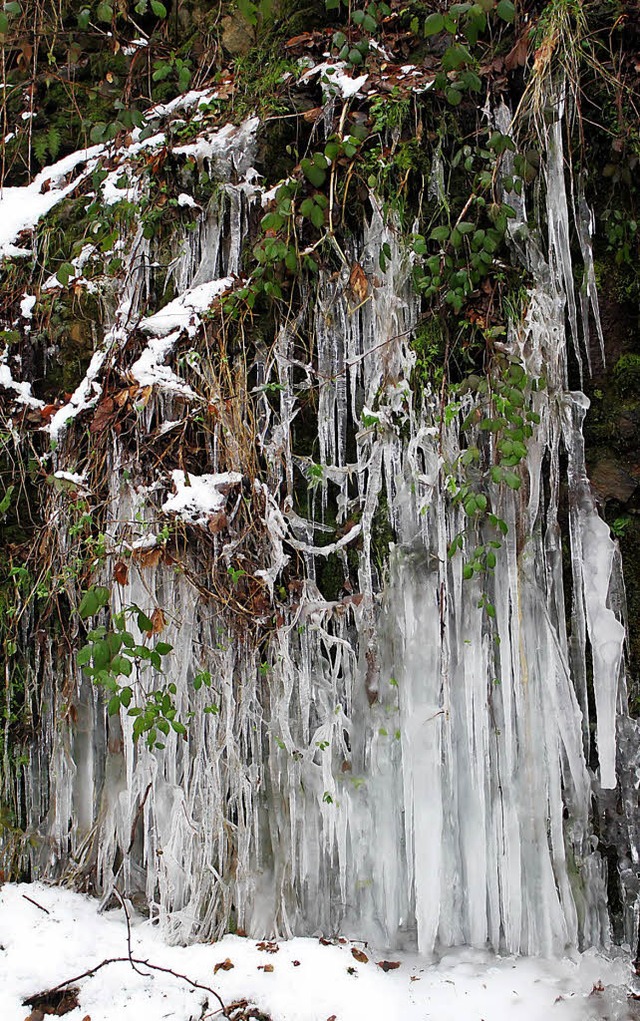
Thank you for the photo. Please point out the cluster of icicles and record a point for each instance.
(406, 769)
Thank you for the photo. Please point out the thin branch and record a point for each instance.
(146, 964)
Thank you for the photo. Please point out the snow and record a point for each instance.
(197, 496)
(334, 79)
(22, 207)
(23, 390)
(345, 84)
(85, 396)
(182, 313)
(167, 326)
(56, 935)
(26, 305)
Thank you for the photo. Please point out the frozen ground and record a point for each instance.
(301, 980)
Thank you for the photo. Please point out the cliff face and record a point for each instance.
(311, 613)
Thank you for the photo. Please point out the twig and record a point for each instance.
(154, 967)
(31, 901)
(128, 921)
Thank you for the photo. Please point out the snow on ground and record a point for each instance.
(303, 980)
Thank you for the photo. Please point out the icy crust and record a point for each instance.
(300, 980)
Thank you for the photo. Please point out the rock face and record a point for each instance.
(238, 36)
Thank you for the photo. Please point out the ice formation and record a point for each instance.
(402, 767)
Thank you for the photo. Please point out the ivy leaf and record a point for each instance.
(433, 24)
(104, 12)
(506, 10)
(313, 173)
(113, 706)
(440, 233)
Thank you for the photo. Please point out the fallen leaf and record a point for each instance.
(265, 967)
(271, 948)
(388, 965)
(359, 955)
(324, 942)
(121, 572)
(296, 964)
(226, 965)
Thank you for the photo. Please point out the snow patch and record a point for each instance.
(198, 496)
(56, 935)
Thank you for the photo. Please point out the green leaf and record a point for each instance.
(355, 56)
(4, 23)
(433, 24)
(440, 233)
(104, 12)
(84, 656)
(506, 10)
(315, 174)
(453, 97)
(113, 706)
(89, 604)
(163, 648)
(5, 503)
(513, 481)
(65, 272)
(158, 9)
(467, 572)
(143, 621)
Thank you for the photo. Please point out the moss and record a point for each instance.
(626, 373)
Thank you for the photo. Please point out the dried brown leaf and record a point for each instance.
(158, 620)
(358, 282)
(225, 965)
(359, 955)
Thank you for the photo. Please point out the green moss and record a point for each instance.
(626, 373)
